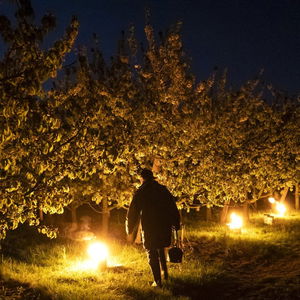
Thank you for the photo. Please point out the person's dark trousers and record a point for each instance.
(157, 259)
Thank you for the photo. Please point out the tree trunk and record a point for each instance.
(224, 212)
(41, 215)
(74, 214)
(283, 194)
(181, 239)
(255, 204)
(297, 204)
(105, 217)
(208, 214)
(246, 212)
(181, 216)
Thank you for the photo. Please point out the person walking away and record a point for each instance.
(155, 207)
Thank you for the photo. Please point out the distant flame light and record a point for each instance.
(281, 209)
(236, 222)
(272, 200)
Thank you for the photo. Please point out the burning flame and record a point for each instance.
(236, 222)
(98, 252)
(280, 207)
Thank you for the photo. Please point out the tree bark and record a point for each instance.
(41, 215)
(74, 214)
(224, 212)
(297, 204)
(283, 194)
(255, 205)
(208, 214)
(246, 212)
(105, 217)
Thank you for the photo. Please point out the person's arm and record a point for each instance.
(133, 214)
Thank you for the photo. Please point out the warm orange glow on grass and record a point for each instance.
(86, 265)
(236, 222)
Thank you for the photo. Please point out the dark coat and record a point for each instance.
(155, 206)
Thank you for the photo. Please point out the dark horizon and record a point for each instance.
(243, 37)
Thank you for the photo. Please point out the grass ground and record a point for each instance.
(262, 262)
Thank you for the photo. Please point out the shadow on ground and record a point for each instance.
(215, 289)
(139, 294)
(184, 288)
(12, 289)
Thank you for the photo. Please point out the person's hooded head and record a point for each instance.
(147, 175)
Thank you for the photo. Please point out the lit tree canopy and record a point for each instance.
(86, 137)
(30, 127)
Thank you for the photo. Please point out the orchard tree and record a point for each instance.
(166, 87)
(104, 94)
(131, 109)
(226, 145)
(35, 130)
(286, 154)
(205, 140)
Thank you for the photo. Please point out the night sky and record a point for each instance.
(243, 36)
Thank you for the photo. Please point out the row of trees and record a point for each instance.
(86, 138)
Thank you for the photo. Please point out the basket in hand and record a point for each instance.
(175, 252)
